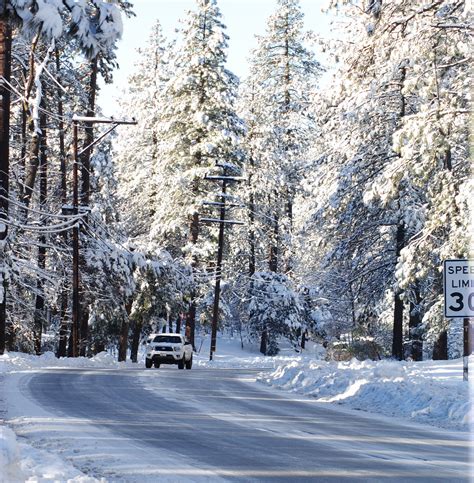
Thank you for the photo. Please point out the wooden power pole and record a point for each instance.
(222, 204)
(76, 308)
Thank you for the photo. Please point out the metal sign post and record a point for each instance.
(459, 301)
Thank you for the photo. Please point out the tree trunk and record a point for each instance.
(76, 305)
(123, 339)
(273, 255)
(303, 339)
(85, 189)
(31, 168)
(252, 235)
(264, 342)
(24, 125)
(397, 344)
(83, 331)
(89, 134)
(191, 323)
(191, 315)
(39, 303)
(136, 332)
(63, 331)
(251, 212)
(5, 68)
(440, 349)
(289, 142)
(414, 328)
(273, 267)
(70, 344)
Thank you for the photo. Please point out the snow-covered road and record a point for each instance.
(134, 425)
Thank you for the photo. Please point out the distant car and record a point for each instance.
(168, 349)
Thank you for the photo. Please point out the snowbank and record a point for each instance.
(19, 361)
(9, 456)
(230, 355)
(21, 462)
(430, 392)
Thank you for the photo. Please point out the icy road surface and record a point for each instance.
(136, 425)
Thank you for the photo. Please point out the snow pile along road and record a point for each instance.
(11, 361)
(230, 355)
(9, 456)
(22, 462)
(430, 392)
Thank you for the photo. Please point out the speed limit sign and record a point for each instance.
(458, 288)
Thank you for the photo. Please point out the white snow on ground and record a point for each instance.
(230, 354)
(430, 392)
(21, 462)
(12, 361)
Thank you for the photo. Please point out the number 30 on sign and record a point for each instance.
(458, 288)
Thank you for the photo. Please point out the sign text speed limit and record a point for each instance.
(459, 288)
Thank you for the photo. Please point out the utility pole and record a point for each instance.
(225, 178)
(76, 308)
(75, 244)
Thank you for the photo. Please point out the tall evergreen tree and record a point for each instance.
(276, 100)
(198, 129)
(374, 192)
(276, 104)
(136, 149)
(93, 27)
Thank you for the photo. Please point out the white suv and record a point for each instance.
(168, 349)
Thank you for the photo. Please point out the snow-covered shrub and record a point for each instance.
(275, 309)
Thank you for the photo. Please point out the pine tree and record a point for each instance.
(198, 129)
(376, 191)
(136, 149)
(94, 27)
(283, 75)
(276, 106)
(432, 146)
(275, 310)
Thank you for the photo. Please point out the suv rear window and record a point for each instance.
(171, 339)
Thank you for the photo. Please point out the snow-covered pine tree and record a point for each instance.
(275, 310)
(276, 101)
(346, 249)
(94, 26)
(432, 145)
(198, 129)
(107, 275)
(276, 105)
(136, 148)
(383, 182)
(54, 93)
(160, 281)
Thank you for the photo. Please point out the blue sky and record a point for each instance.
(243, 18)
